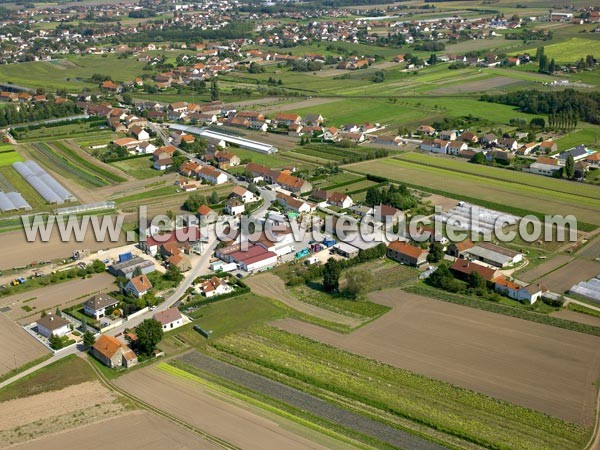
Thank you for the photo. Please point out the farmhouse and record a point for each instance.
(50, 324)
(494, 255)
(459, 249)
(97, 305)
(406, 254)
(138, 286)
(463, 268)
(529, 294)
(113, 353)
(212, 175)
(169, 319)
(292, 183)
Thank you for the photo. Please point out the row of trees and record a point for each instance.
(582, 105)
(32, 112)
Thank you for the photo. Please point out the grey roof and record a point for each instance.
(5, 203)
(580, 150)
(52, 322)
(100, 301)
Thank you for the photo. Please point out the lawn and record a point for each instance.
(587, 136)
(571, 50)
(68, 371)
(259, 158)
(499, 194)
(439, 405)
(8, 157)
(140, 168)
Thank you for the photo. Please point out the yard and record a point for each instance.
(140, 168)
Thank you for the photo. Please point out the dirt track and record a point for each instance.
(269, 285)
(137, 429)
(18, 347)
(544, 368)
(235, 422)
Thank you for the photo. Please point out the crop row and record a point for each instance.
(441, 406)
(74, 157)
(63, 165)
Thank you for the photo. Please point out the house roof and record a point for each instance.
(406, 249)
(167, 316)
(100, 301)
(288, 180)
(205, 210)
(464, 245)
(52, 322)
(468, 267)
(107, 346)
(141, 283)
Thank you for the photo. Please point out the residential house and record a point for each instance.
(469, 137)
(508, 143)
(243, 194)
(170, 319)
(139, 133)
(578, 153)
(330, 134)
(387, 214)
(138, 286)
(292, 183)
(406, 254)
(206, 215)
(340, 200)
(287, 119)
(548, 146)
(212, 175)
(489, 139)
(145, 148)
(97, 305)
(215, 286)
(126, 142)
(527, 148)
(448, 135)
(455, 147)
(50, 324)
(312, 119)
(234, 207)
(113, 353)
(294, 204)
(426, 129)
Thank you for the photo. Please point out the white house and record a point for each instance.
(212, 175)
(97, 305)
(215, 286)
(146, 148)
(294, 204)
(52, 325)
(138, 286)
(169, 319)
(242, 194)
(529, 294)
(234, 207)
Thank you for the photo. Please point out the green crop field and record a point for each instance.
(260, 158)
(587, 136)
(509, 195)
(457, 411)
(8, 157)
(571, 50)
(84, 163)
(497, 173)
(73, 73)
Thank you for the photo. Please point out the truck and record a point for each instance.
(227, 267)
(329, 242)
(302, 253)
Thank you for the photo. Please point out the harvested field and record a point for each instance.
(18, 347)
(488, 84)
(547, 266)
(137, 429)
(547, 369)
(577, 317)
(49, 297)
(231, 420)
(577, 270)
(591, 250)
(18, 252)
(271, 286)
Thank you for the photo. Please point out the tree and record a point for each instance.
(149, 334)
(255, 68)
(88, 339)
(476, 281)
(98, 266)
(570, 167)
(552, 66)
(57, 313)
(478, 158)
(436, 252)
(331, 275)
(214, 198)
(56, 342)
(173, 274)
(357, 282)
(214, 90)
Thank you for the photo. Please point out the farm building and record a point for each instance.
(406, 254)
(235, 140)
(346, 250)
(127, 268)
(113, 353)
(463, 268)
(494, 255)
(529, 294)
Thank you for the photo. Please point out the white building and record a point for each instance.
(52, 325)
(169, 319)
(215, 286)
(97, 305)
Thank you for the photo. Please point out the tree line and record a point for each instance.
(32, 112)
